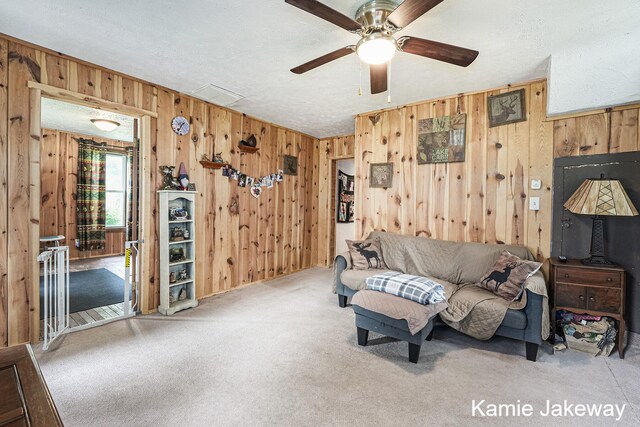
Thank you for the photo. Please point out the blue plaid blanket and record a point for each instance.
(414, 288)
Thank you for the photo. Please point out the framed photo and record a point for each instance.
(507, 108)
(290, 165)
(191, 187)
(380, 175)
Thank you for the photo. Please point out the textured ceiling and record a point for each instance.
(249, 46)
(77, 119)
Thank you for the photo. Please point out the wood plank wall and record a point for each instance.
(327, 152)
(242, 239)
(600, 133)
(58, 178)
(483, 199)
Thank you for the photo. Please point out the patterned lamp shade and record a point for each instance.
(601, 197)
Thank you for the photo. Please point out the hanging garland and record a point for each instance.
(255, 184)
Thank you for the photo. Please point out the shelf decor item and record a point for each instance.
(600, 197)
(177, 251)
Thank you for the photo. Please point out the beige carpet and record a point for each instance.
(284, 353)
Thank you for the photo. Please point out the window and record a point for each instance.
(116, 189)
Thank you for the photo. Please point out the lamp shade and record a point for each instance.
(601, 197)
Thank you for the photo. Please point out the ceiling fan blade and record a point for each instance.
(378, 75)
(325, 12)
(410, 10)
(314, 63)
(440, 51)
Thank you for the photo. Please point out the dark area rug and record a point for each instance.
(90, 289)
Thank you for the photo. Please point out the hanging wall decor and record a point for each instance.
(290, 165)
(254, 184)
(345, 197)
(442, 139)
(380, 175)
(507, 108)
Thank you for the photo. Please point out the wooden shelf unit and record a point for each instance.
(213, 165)
(247, 149)
(170, 199)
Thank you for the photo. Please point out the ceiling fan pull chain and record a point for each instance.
(389, 82)
(360, 84)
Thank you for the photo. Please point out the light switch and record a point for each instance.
(534, 203)
(536, 184)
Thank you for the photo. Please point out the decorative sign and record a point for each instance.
(380, 175)
(507, 108)
(345, 197)
(442, 139)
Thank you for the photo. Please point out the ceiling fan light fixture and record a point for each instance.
(377, 48)
(105, 125)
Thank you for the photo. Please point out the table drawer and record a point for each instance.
(607, 300)
(589, 277)
(571, 296)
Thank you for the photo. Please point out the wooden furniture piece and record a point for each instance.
(589, 289)
(177, 274)
(24, 397)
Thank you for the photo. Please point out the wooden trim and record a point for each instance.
(35, 133)
(456, 96)
(146, 223)
(90, 101)
(592, 112)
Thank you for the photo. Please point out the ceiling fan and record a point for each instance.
(375, 22)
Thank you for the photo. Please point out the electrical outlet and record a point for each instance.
(536, 184)
(534, 203)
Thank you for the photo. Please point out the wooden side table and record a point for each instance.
(587, 289)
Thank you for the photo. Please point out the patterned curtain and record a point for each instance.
(90, 194)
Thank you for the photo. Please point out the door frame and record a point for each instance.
(37, 91)
(333, 205)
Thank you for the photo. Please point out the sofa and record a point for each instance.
(472, 310)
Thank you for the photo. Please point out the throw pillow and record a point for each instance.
(366, 254)
(506, 278)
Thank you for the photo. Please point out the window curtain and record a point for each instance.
(91, 195)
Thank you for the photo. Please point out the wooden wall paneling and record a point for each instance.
(234, 204)
(395, 144)
(22, 68)
(293, 149)
(197, 147)
(496, 183)
(107, 86)
(246, 166)
(308, 193)
(4, 166)
(324, 205)
(593, 134)
(424, 175)
(440, 185)
(56, 71)
(540, 167)
(271, 196)
(50, 161)
(86, 78)
(380, 155)
(457, 195)
(624, 131)
(475, 168)
(518, 179)
(315, 210)
(281, 222)
(408, 176)
(262, 131)
(127, 95)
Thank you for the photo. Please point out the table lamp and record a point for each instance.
(600, 197)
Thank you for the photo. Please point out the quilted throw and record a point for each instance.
(414, 288)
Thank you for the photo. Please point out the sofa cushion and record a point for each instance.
(507, 276)
(355, 279)
(366, 254)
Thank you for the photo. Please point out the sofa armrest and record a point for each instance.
(341, 263)
(534, 311)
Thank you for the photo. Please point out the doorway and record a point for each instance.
(344, 204)
(89, 204)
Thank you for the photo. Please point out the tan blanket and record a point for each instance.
(416, 315)
(472, 310)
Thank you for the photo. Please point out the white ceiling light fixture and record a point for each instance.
(105, 125)
(377, 48)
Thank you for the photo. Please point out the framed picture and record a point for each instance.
(507, 108)
(191, 187)
(380, 175)
(442, 139)
(290, 165)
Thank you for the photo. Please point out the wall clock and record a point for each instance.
(180, 125)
